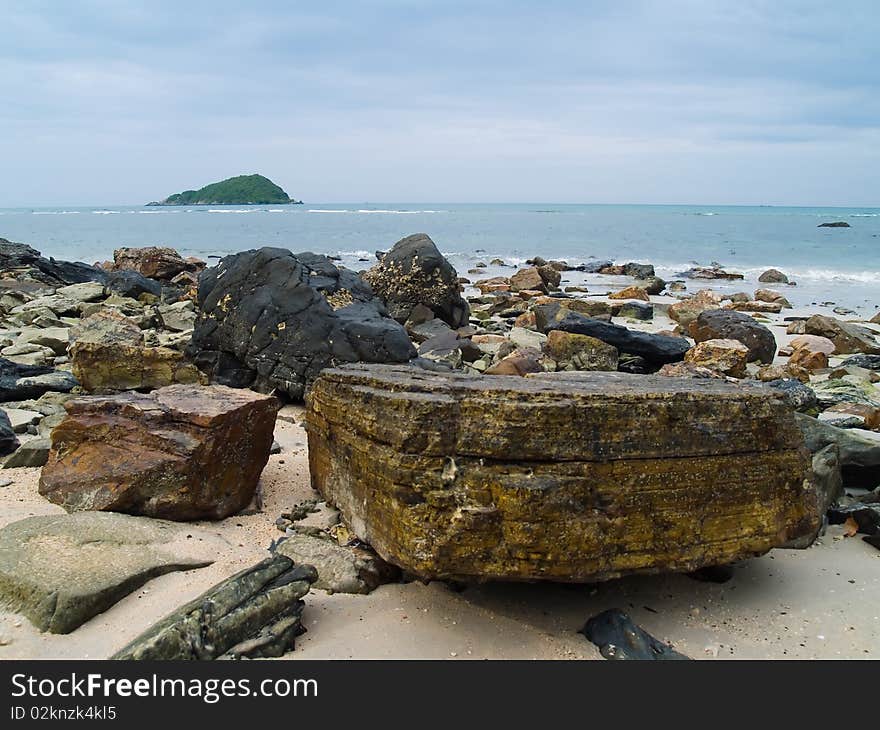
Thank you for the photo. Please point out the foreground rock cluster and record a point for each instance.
(505, 427)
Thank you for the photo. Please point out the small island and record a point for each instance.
(240, 190)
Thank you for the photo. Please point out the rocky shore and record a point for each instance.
(461, 429)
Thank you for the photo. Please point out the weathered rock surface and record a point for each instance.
(726, 356)
(340, 569)
(153, 262)
(62, 570)
(103, 368)
(563, 476)
(720, 324)
(847, 337)
(255, 613)
(181, 453)
(580, 352)
(657, 349)
(414, 272)
(271, 319)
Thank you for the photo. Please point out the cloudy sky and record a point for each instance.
(680, 101)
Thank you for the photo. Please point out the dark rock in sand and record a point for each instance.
(414, 272)
(255, 614)
(31, 453)
(618, 637)
(594, 267)
(639, 271)
(654, 285)
(634, 310)
(271, 319)
(835, 224)
(656, 349)
(710, 272)
(723, 324)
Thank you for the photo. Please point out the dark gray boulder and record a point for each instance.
(639, 271)
(720, 324)
(414, 272)
(132, 284)
(19, 260)
(270, 319)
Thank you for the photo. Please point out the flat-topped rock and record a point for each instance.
(183, 452)
(557, 476)
(61, 570)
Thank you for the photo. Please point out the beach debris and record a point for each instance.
(619, 639)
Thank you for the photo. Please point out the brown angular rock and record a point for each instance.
(550, 275)
(154, 262)
(528, 279)
(183, 452)
(631, 292)
(847, 338)
(570, 477)
(725, 356)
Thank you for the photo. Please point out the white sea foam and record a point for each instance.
(234, 210)
(55, 212)
(354, 254)
(321, 210)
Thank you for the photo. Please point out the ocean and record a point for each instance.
(830, 265)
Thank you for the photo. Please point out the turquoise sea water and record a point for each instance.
(834, 264)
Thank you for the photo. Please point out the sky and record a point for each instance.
(680, 101)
